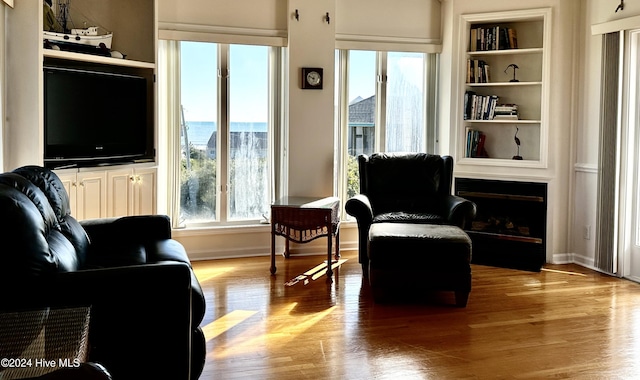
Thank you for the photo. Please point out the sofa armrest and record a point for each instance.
(128, 228)
(458, 211)
(140, 313)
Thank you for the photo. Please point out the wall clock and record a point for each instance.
(312, 78)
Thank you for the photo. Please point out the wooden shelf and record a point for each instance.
(504, 84)
(506, 52)
(80, 57)
(494, 121)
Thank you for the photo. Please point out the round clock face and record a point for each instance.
(313, 78)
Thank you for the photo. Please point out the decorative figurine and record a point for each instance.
(517, 140)
(514, 72)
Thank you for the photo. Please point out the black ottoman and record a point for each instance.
(408, 258)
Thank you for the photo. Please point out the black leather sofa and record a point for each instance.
(146, 303)
(405, 188)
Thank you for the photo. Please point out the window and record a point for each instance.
(225, 97)
(386, 104)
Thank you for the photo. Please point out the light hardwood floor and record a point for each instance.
(564, 322)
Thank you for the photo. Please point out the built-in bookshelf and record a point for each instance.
(504, 88)
(134, 28)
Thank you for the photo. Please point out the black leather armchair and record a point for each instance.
(405, 188)
(146, 303)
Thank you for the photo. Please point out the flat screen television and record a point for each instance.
(95, 118)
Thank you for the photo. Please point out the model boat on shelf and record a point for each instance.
(58, 35)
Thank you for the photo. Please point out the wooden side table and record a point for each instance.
(303, 219)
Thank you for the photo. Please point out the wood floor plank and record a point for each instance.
(563, 322)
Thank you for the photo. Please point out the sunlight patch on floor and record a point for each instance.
(281, 331)
(563, 272)
(205, 275)
(226, 322)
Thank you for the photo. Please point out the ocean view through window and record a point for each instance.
(224, 133)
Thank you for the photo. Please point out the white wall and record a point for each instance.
(2, 86)
(311, 120)
(23, 27)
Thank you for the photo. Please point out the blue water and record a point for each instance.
(200, 131)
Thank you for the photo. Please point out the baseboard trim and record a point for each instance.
(299, 250)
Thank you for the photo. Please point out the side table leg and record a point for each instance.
(273, 253)
(286, 253)
(329, 261)
(337, 255)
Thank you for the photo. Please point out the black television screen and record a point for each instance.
(93, 117)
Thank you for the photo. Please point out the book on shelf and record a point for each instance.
(479, 107)
(475, 144)
(478, 71)
(492, 38)
(513, 38)
(506, 112)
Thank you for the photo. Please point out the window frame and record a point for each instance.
(170, 52)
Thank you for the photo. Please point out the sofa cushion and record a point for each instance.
(409, 217)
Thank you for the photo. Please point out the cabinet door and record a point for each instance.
(132, 192)
(144, 192)
(119, 192)
(91, 195)
(69, 181)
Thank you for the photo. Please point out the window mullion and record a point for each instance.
(222, 164)
(381, 102)
(431, 103)
(343, 122)
(276, 126)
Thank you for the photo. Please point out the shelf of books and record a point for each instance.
(504, 93)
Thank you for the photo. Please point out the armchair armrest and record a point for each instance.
(128, 228)
(458, 211)
(360, 207)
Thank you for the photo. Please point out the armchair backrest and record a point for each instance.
(410, 182)
(36, 224)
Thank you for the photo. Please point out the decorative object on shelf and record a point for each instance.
(514, 72)
(517, 140)
(311, 78)
(56, 32)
